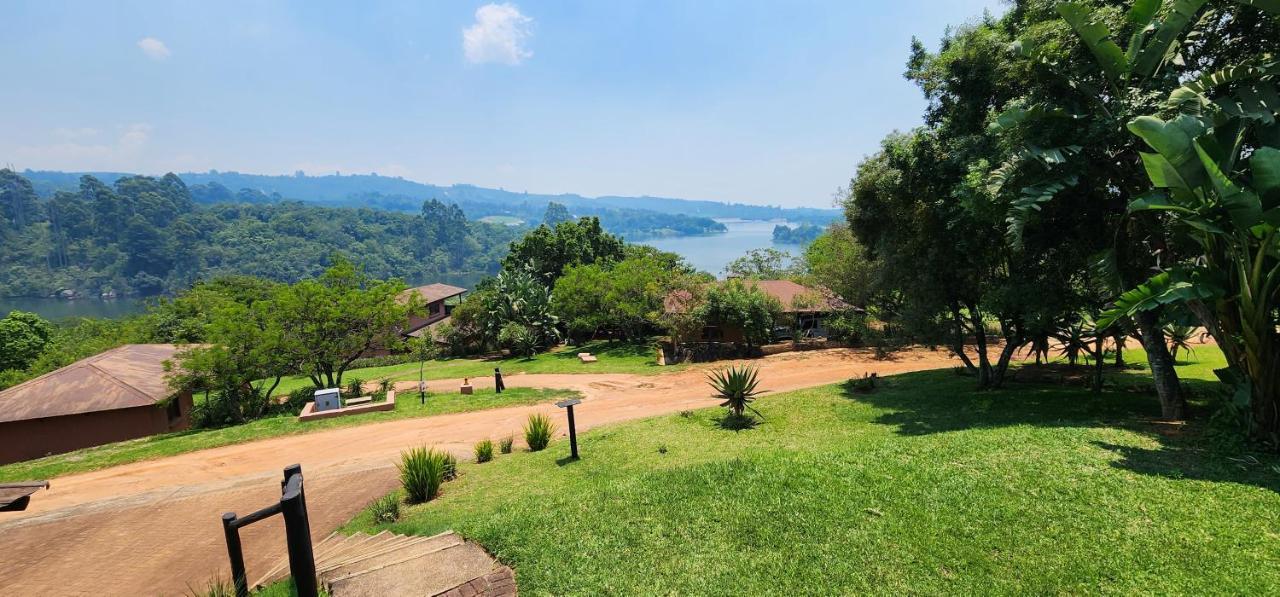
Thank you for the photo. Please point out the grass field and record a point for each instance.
(615, 357)
(923, 486)
(169, 444)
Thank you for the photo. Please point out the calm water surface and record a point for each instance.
(712, 252)
(55, 309)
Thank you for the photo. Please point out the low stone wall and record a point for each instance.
(309, 411)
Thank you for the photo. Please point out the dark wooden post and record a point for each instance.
(573, 430)
(297, 530)
(236, 554)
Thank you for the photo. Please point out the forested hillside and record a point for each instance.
(144, 236)
(633, 217)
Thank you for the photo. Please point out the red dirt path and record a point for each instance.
(153, 527)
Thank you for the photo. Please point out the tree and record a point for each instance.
(1215, 169)
(241, 366)
(1069, 157)
(555, 214)
(735, 304)
(18, 205)
(328, 322)
(837, 262)
(548, 251)
(625, 297)
(518, 297)
(762, 264)
(23, 337)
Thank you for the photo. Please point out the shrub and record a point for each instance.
(383, 361)
(422, 472)
(537, 432)
(386, 509)
(504, 444)
(736, 385)
(299, 397)
(450, 467)
(484, 451)
(355, 387)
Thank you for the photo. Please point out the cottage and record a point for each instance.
(120, 394)
(804, 310)
(436, 298)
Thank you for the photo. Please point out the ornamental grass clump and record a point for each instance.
(422, 472)
(504, 444)
(484, 451)
(538, 431)
(386, 509)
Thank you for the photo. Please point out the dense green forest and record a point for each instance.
(145, 236)
(631, 217)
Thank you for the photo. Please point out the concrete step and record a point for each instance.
(431, 573)
(391, 555)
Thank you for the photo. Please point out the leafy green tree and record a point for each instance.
(625, 297)
(328, 322)
(548, 251)
(1069, 158)
(836, 261)
(735, 304)
(23, 337)
(18, 205)
(556, 214)
(762, 264)
(240, 367)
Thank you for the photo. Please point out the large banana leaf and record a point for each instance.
(1029, 202)
(1265, 163)
(1179, 15)
(1097, 37)
(1174, 141)
(1192, 93)
(1163, 288)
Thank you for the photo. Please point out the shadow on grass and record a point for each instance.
(939, 401)
(732, 422)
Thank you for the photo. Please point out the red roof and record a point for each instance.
(124, 377)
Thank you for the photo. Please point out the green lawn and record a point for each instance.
(924, 486)
(169, 444)
(615, 357)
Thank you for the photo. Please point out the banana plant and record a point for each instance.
(1215, 170)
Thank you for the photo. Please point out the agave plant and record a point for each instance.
(1180, 339)
(737, 385)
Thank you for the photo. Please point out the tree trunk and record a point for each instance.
(980, 338)
(1098, 354)
(1119, 340)
(959, 339)
(1172, 404)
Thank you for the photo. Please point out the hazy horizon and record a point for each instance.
(754, 103)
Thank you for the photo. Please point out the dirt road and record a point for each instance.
(153, 527)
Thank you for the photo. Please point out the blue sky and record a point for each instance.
(757, 102)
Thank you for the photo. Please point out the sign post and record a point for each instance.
(573, 431)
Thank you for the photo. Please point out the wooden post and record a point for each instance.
(236, 554)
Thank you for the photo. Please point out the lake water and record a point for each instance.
(711, 253)
(55, 309)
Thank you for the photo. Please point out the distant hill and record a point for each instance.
(398, 194)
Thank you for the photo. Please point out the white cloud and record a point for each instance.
(498, 35)
(153, 48)
(73, 154)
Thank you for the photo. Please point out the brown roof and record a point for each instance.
(124, 377)
(434, 292)
(785, 291)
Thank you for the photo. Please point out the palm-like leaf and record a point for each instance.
(737, 385)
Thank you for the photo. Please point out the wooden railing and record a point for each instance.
(297, 533)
